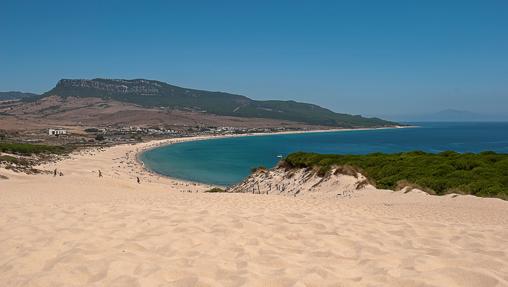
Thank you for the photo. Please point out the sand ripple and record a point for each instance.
(79, 230)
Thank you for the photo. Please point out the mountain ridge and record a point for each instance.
(15, 95)
(152, 93)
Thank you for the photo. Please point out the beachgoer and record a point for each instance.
(61, 173)
(138, 179)
(100, 173)
(54, 172)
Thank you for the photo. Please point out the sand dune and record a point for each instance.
(82, 230)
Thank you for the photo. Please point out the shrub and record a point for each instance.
(323, 170)
(259, 168)
(347, 170)
(215, 189)
(483, 174)
(13, 160)
(29, 149)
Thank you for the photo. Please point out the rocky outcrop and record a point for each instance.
(113, 85)
(338, 182)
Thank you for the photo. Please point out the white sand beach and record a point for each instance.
(82, 230)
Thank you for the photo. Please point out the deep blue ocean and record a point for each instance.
(227, 161)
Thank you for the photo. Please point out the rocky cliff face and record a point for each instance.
(115, 86)
(338, 182)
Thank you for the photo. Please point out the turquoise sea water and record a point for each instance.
(227, 161)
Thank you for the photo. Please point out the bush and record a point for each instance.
(215, 189)
(29, 149)
(259, 168)
(13, 160)
(483, 174)
(323, 170)
(347, 170)
(8, 159)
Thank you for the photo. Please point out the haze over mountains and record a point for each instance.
(448, 115)
(15, 95)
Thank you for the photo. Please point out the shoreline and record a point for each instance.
(167, 142)
(80, 229)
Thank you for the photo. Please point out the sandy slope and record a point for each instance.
(82, 230)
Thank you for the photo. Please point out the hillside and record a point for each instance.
(149, 93)
(301, 182)
(484, 174)
(13, 95)
(46, 112)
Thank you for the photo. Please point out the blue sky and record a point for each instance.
(363, 57)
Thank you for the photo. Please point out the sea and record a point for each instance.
(226, 161)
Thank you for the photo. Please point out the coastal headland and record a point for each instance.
(82, 229)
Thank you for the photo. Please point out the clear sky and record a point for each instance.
(365, 57)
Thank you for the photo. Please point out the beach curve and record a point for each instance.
(82, 230)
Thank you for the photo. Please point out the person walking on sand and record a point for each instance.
(54, 173)
(100, 173)
(137, 177)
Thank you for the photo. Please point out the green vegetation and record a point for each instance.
(159, 94)
(259, 168)
(484, 174)
(215, 190)
(29, 149)
(13, 160)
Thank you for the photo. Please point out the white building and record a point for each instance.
(56, 132)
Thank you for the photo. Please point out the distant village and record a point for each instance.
(115, 135)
